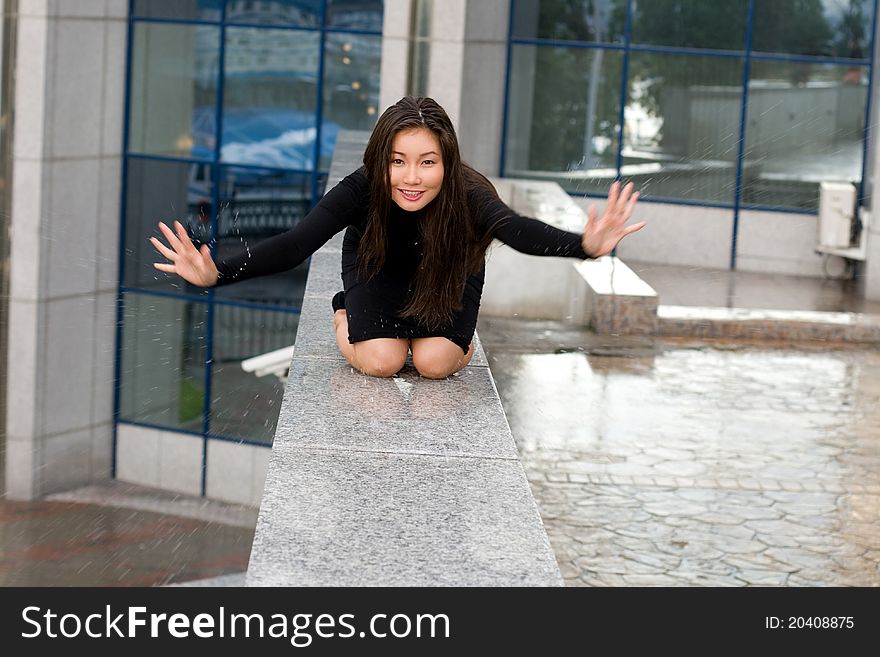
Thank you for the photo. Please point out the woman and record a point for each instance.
(418, 222)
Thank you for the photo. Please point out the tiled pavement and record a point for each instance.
(697, 463)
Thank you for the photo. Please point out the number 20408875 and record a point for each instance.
(809, 622)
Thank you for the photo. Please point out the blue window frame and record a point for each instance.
(739, 104)
(232, 112)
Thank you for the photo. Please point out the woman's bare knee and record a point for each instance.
(436, 370)
(437, 358)
(382, 359)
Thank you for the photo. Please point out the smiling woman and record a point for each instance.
(418, 222)
(416, 171)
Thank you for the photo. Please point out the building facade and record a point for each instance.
(223, 114)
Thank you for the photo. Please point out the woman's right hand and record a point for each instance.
(193, 266)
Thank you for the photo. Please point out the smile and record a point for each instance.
(410, 195)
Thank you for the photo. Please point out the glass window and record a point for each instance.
(564, 108)
(269, 97)
(355, 15)
(596, 21)
(805, 124)
(163, 361)
(351, 87)
(159, 190)
(301, 13)
(256, 204)
(174, 74)
(205, 10)
(838, 28)
(246, 404)
(682, 126)
(720, 24)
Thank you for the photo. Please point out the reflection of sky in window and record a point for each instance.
(271, 137)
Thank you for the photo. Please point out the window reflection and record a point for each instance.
(838, 28)
(163, 191)
(564, 111)
(720, 24)
(269, 100)
(805, 125)
(682, 126)
(351, 87)
(163, 361)
(596, 21)
(683, 119)
(205, 10)
(246, 404)
(301, 13)
(355, 15)
(256, 204)
(174, 75)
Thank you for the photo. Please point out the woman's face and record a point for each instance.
(416, 168)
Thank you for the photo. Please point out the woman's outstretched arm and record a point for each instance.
(341, 206)
(535, 237)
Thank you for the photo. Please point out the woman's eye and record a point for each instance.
(397, 161)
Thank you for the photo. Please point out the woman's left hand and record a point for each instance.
(602, 234)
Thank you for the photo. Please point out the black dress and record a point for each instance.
(374, 305)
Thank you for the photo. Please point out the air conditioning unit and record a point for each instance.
(837, 205)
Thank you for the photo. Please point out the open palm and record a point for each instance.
(602, 234)
(192, 265)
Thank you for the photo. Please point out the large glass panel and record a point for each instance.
(159, 190)
(563, 112)
(301, 13)
(355, 15)
(682, 126)
(246, 404)
(720, 24)
(204, 10)
(596, 21)
(805, 125)
(269, 97)
(174, 73)
(839, 28)
(351, 87)
(256, 204)
(162, 380)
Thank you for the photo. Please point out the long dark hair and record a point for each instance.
(454, 247)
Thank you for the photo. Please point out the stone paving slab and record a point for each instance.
(339, 518)
(329, 405)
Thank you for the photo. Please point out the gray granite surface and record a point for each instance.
(325, 274)
(337, 407)
(337, 518)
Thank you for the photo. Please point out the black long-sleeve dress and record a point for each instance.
(374, 305)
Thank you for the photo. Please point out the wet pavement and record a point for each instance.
(121, 535)
(683, 462)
